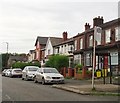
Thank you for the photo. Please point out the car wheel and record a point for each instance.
(43, 81)
(35, 80)
(26, 78)
(22, 77)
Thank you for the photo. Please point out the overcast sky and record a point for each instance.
(21, 21)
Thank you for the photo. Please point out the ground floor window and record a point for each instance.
(88, 59)
(77, 59)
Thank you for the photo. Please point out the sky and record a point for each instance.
(21, 21)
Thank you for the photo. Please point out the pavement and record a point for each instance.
(84, 87)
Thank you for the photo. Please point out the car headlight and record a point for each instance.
(48, 77)
(61, 77)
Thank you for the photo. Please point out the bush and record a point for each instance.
(23, 64)
(57, 61)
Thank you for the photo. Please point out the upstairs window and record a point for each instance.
(117, 33)
(81, 43)
(107, 35)
(75, 44)
(90, 40)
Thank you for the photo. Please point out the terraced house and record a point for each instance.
(107, 49)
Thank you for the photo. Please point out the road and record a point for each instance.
(15, 89)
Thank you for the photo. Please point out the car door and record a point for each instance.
(39, 75)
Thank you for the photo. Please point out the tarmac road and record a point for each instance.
(15, 89)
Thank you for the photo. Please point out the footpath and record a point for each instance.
(84, 87)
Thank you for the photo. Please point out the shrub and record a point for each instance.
(57, 61)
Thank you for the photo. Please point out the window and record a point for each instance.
(65, 49)
(117, 33)
(81, 43)
(49, 52)
(77, 59)
(75, 44)
(91, 40)
(88, 59)
(114, 58)
(107, 35)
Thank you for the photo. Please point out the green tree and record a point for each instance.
(57, 61)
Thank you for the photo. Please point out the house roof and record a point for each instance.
(18, 57)
(42, 40)
(115, 21)
(55, 40)
(64, 42)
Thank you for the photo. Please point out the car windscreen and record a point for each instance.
(50, 71)
(17, 71)
(33, 69)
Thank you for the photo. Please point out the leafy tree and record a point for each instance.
(57, 61)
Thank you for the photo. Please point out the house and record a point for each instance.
(65, 47)
(40, 46)
(17, 58)
(48, 50)
(31, 55)
(107, 49)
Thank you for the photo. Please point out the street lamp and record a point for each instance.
(7, 46)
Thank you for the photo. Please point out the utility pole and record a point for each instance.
(96, 37)
(93, 70)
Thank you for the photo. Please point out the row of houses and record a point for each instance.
(79, 48)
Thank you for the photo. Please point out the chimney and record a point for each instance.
(98, 21)
(64, 36)
(87, 26)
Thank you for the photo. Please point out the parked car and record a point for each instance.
(16, 72)
(8, 72)
(48, 75)
(29, 72)
(3, 72)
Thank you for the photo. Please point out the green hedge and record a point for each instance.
(23, 64)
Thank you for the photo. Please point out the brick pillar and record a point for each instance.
(84, 72)
(64, 72)
(70, 72)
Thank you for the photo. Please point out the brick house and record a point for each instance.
(107, 47)
(65, 47)
(40, 46)
(49, 48)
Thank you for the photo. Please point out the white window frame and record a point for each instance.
(117, 33)
(90, 40)
(75, 44)
(81, 43)
(107, 35)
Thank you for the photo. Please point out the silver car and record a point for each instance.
(3, 72)
(29, 72)
(8, 72)
(16, 72)
(48, 75)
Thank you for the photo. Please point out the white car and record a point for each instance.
(48, 75)
(16, 72)
(8, 72)
(29, 72)
(3, 72)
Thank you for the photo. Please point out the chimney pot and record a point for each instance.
(87, 26)
(65, 36)
(98, 21)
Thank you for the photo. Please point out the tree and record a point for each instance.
(57, 61)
